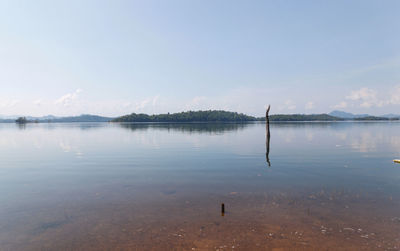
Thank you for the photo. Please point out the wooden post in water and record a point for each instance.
(268, 135)
(222, 209)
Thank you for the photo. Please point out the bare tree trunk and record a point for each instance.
(268, 135)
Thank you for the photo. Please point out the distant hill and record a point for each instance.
(347, 115)
(7, 120)
(391, 115)
(303, 117)
(81, 118)
(14, 117)
(190, 116)
(48, 117)
(375, 118)
(54, 119)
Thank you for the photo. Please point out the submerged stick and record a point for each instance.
(268, 135)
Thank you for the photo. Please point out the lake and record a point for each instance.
(103, 186)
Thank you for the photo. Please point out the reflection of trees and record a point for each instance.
(267, 152)
(72, 125)
(308, 124)
(211, 128)
(21, 126)
(334, 125)
(268, 136)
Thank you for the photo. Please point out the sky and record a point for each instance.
(118, 57)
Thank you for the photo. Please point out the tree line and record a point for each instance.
(190, 116)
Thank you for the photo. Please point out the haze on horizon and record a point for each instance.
(117, 57)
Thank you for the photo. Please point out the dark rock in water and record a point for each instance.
(169, 192)
(51, 225)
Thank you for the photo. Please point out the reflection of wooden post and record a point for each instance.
(268, 135)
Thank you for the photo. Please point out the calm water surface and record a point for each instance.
(108, 186)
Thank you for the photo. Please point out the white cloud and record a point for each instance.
(198, 100)
(155, 99)
(38, 102)
(68, 98)
(309, 105)
(288, 105)
(363, 93)
(196, 103)
(142, 105)
(395, 97)
(9, 103)
(341, 105)
(367, 97)
(126, 104)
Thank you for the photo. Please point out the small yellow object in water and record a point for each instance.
(396, 161)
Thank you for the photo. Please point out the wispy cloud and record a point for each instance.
(9, 103)
(142, 105)
(395, 97)
(155, 99)
(38, 102)
(68, 98)
(147, 102)
(196, 103)
(367, 97)
(341, 105)
(288, 105)
(309, 105)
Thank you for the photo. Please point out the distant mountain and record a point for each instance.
(42, 118)
(14, 117)
(391, 116)
(369, 118)
(7, 120)
(347, 115)
(81, 118)
(54, 119)
(3, 117)
(303, 117)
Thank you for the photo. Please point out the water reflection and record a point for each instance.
(267, 145)
(268, 136)
(151, 186)
(52, 126)
(21, 126)
(211, 128)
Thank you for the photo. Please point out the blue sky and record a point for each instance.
(117, 57)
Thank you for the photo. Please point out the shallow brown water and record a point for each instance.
(161, 188)
(252, 222)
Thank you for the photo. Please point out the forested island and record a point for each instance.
(190, 116)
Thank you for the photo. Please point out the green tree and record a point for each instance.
(21, 120)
